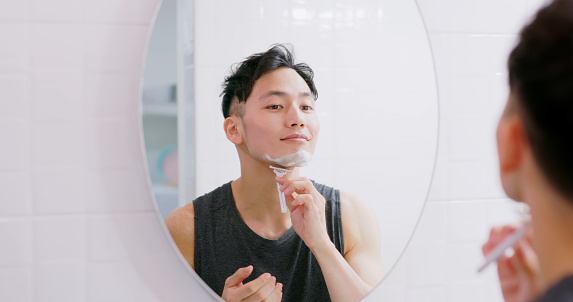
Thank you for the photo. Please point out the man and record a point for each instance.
(326, 247)
(535, 145)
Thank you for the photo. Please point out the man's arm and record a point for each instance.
(354, 275)
(349, 277)
(362, 238)
(181, 225)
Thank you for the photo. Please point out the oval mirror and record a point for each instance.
(377, 104)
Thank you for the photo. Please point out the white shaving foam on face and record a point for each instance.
(300, 158)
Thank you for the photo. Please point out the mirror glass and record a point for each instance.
(377, 99)
(159, 108)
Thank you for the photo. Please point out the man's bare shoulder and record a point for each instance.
(354, 202)
(355, 209)
(181, 225)
(182, 219)
(357, 217)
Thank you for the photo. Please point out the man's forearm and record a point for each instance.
(342, 281)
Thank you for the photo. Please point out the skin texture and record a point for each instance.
(543, 257)
(279, 118)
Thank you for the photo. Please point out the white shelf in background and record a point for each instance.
(160, 189)
(160, 109)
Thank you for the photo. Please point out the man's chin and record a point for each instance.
(299, 158)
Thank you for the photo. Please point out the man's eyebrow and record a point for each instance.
(273, 93)
(282, 94)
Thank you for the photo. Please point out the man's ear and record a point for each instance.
(234, 129)
(512, 143)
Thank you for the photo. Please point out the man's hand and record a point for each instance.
(307, 211)
(519, 275)
(264, 288)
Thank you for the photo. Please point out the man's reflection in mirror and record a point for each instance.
(326, 247)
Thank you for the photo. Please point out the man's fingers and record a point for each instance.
(300, 200)
(263, 292)
(528, 258)
(249, 289)
(238, 277)
(496, 236)
(301, 186)
(276, 295)
(492, 241)
(509, 282)
(505, 268)
(521, 267)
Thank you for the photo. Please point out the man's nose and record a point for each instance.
(295, 117)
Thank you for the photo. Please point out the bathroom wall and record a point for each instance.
(471, 41)
(77, 222)
(76, 219)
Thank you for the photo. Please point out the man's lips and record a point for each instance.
(295, 137)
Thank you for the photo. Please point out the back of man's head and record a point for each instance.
(238, 86)
(541, 76)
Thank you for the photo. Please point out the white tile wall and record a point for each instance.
(17, 89)
(61, 47)
(16, 238)
(437, 294)
(110, 95)
(58, 144)
(58, 191)
(16, 191)
(14, 39)
(110, 11)
(52, 10)
(19, 11)
(15, 149)
(59, 238)
(56, 95)
(15, 284)
(76, 222)
(60, 282)
(122, 149)
(110, 47)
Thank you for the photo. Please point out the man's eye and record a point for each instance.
(274, 107)
(305, 107)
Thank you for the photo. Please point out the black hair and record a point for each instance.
(242, 79)
(541, 76)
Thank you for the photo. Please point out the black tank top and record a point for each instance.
(224, 243)
(562, 291)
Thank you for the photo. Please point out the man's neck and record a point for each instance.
(552, 222)
(257, 199)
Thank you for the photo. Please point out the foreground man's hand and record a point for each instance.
(519, 274)
(264, 288)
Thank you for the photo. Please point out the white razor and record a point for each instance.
(280, 172)
(500, 249)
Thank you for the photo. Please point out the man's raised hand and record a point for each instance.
(519, 274)
(307, 207)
